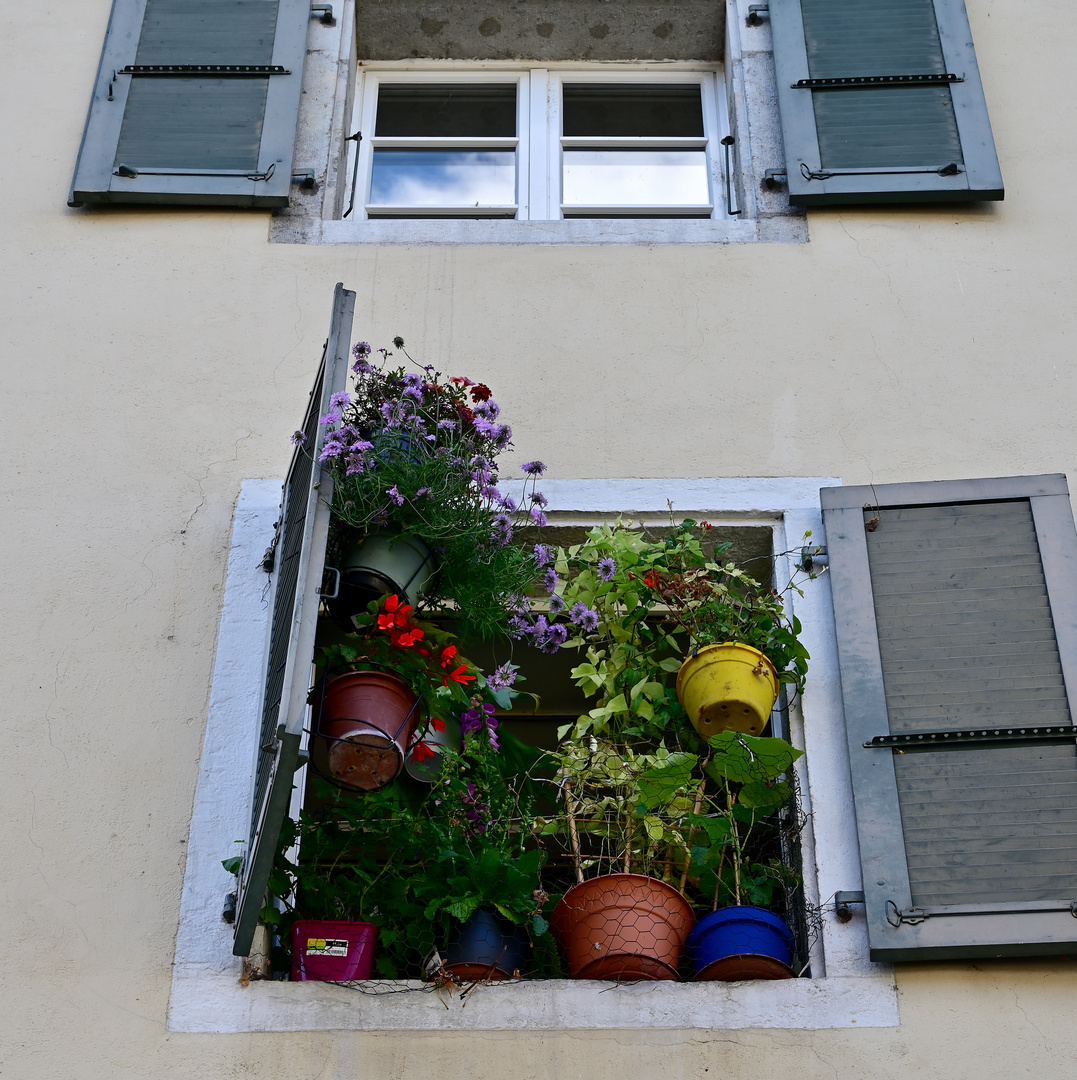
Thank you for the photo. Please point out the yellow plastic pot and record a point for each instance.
(729, 687)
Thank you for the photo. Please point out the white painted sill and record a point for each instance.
(207, 995)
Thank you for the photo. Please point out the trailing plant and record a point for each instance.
(413, 452)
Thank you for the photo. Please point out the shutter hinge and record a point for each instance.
(229, 912)
(773, 178)
(324, 13)
(951, 168)
(328, 594)
(813, 556)
(842, 900)
(305, 179)
(910, 916)
(756, 14)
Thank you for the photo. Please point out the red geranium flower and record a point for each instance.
(480, 392)
(650, 579)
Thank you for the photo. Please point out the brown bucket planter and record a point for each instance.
(622, 926)
(365, 724)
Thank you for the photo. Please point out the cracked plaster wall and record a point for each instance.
(153, 358)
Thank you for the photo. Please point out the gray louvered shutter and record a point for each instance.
(299, 555)
(196, 102)
(881, 102)
(956, 611)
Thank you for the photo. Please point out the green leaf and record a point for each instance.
(232, 865)
(463, 909)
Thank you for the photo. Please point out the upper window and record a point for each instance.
(540, 145)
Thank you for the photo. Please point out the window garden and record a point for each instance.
(534, 752)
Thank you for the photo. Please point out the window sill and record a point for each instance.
(296, 229)
(206, 993)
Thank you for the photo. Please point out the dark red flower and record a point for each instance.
(480, 392)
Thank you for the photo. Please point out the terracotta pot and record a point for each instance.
(364, 727)
(622, 926)
(727, 687)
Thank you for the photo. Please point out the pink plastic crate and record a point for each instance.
(332, 950)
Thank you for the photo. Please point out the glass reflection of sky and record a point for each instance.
(635, 177)
(443, 178)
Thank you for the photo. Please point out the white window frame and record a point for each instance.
(846, 989)
(539, 142)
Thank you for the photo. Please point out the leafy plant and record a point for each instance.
(415, 453)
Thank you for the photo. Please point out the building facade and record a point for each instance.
(696, 266)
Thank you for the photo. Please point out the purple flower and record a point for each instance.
(502, 533)
(474, 720)
(298, 438)
(533, 468)
(491, 493)
(490, 409)
(395, 495)
(502, 677)
(341, 400)
(356, 464)
(556, 636)
(360, 445)
(361, 349)
(333, 448)
(519, 626)
(557, 604)
(421, 492)
(487, 428)
(550, 580)
(537, 498)
(330, 418)
(446, 425)
(543, 555)
(583, 616)
(508, 503)
(606, 569)
(537, 516)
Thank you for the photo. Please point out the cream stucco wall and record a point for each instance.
(154, 359)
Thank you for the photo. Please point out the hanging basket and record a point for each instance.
(741, 942)
(728, 687)
(622, 926)
(364, 729)
(378, 565)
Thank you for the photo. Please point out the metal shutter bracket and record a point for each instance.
(945, 740)
(859, 82)
(911, 916)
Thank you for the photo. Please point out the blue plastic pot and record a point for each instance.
(487, 947)
(742, 942)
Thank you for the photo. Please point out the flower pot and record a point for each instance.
(378, 565)
(622, 926)
(332, 950)
(486, 946)
(429, 768)
(364, 727)
(742, 942)
(729, 687)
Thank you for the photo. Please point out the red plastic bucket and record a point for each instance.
(365, 723)
(332, 950)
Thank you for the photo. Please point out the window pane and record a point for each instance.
(635, 177)
(443, 178)
(451, 111)
(673, 111)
